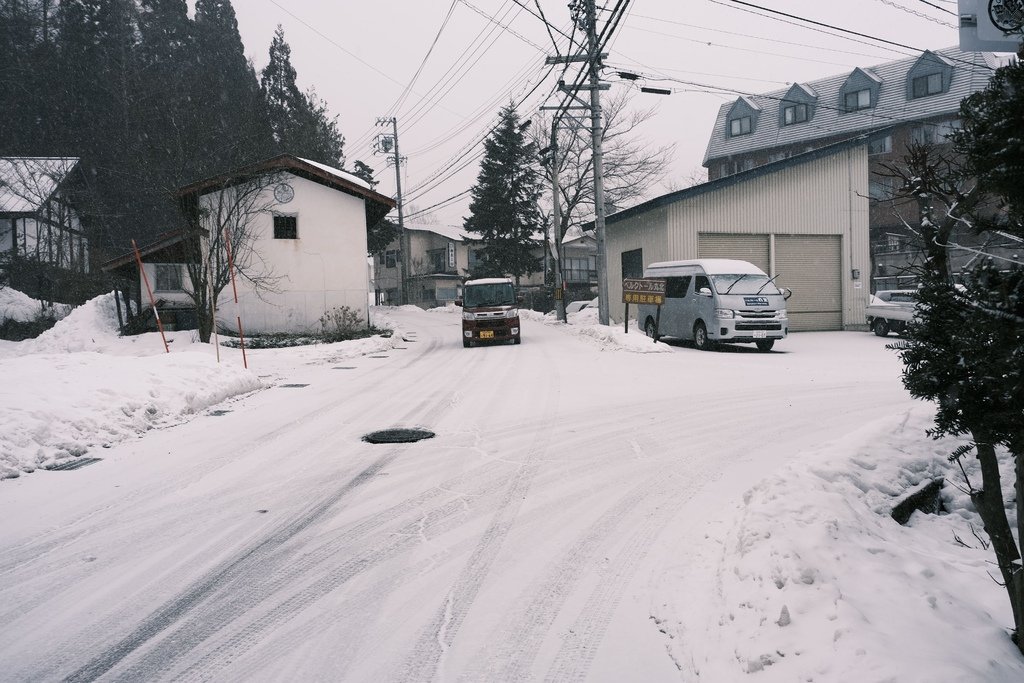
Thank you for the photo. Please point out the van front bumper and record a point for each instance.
(747, 330)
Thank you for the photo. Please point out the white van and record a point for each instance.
(714, 301)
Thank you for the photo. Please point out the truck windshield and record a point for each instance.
(744, 284)
(491, 294)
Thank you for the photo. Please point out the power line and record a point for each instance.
(942, 9)
(922, 15)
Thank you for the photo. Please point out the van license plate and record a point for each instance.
(489, 334)
(760, 334)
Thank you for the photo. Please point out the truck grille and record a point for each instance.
(744, 327)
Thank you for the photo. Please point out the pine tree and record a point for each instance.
(299, 121)
(504, 211)
(232, 120)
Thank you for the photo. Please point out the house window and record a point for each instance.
(881, 189)
(168, 277)
(880, 145)
(740, 126)
(391, 258)
(286, 227)
(923, 86)
(861, 99)
(437, 259)
(794, 113)
(577, 270)
(934, 133)
(633, 263)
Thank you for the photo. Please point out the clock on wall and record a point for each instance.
(284, 193)
(1007, 15)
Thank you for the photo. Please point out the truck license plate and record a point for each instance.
(760, 334)
(487, 334)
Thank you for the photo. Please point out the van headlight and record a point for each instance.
(468, 315)
(782, 314)
(724, 313)
(512, 313)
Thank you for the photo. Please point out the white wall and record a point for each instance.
(324, 268)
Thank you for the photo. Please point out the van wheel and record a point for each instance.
(880, 327)
(765, 345)
(700, 337)
(517, 339)
(650, 330)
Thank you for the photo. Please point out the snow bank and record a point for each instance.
(815, 545)
(585, 325)
(15, 305)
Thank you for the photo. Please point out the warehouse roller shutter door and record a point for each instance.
(810, 265)
(750, 248)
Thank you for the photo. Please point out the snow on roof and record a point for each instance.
(452, 232)
(489, 281)
(26, 183)
(971, 73)
(712, 266)
(344, 175)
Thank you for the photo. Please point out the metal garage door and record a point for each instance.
(810, 265)
(752, 248)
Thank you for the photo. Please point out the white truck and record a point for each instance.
(891, 310)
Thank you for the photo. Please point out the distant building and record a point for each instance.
(42, 243)
(439, 260)
(908, 100)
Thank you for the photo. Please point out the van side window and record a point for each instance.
(675, 287)
(701, 281)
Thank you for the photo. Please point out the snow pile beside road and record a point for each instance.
(15, 305)
(585, 325)
(809, 578)
(80, 386)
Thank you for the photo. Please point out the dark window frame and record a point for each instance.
(745, 127)
(925, 86)
(165, 271)
(286, 227)
(800, 111)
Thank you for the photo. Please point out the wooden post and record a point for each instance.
(657, 323)
(625, 325)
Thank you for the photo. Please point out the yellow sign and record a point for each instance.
(639, 298)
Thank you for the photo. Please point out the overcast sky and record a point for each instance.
(362, 56)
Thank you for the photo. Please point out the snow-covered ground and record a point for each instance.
(594, 507)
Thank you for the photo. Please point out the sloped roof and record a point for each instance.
(971, 73)
(377, 205)
(26, 183)
(452, 232)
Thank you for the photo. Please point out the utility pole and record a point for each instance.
(385, 145)
(594, 62)
(556, 219)
(593, 59)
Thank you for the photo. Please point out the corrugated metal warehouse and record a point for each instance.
(804, 219)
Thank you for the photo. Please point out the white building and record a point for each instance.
(306, 241)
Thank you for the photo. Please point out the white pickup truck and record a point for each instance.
(890, 310)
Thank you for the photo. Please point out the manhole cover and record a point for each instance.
(398, 436)
(292, 386)
(218, 412)
(343, 367)
(73, 464)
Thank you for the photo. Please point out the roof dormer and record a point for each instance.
(742, 118)
(860, 91)
(930, 75)
(797, 105)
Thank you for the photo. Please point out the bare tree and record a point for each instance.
(223, 220)
(632, 165)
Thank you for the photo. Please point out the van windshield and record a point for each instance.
(744, 284)
(491, 294)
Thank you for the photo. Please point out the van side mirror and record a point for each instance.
(786, 292)
(458, 301)
(705, 291)
(520, 298)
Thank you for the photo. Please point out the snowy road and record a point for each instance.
(523, 542)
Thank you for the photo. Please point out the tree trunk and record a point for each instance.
(990, 505)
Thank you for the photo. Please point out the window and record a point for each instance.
(860, 99)
(437, 259)
(794, 113)
(881, 189)
(168, 277)
(927, 85)
(675, 287)
(286, 228)
(880, 145)
(392, 257)
(633, 263)
(740, 126)
(579, 270)
(700, 283)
